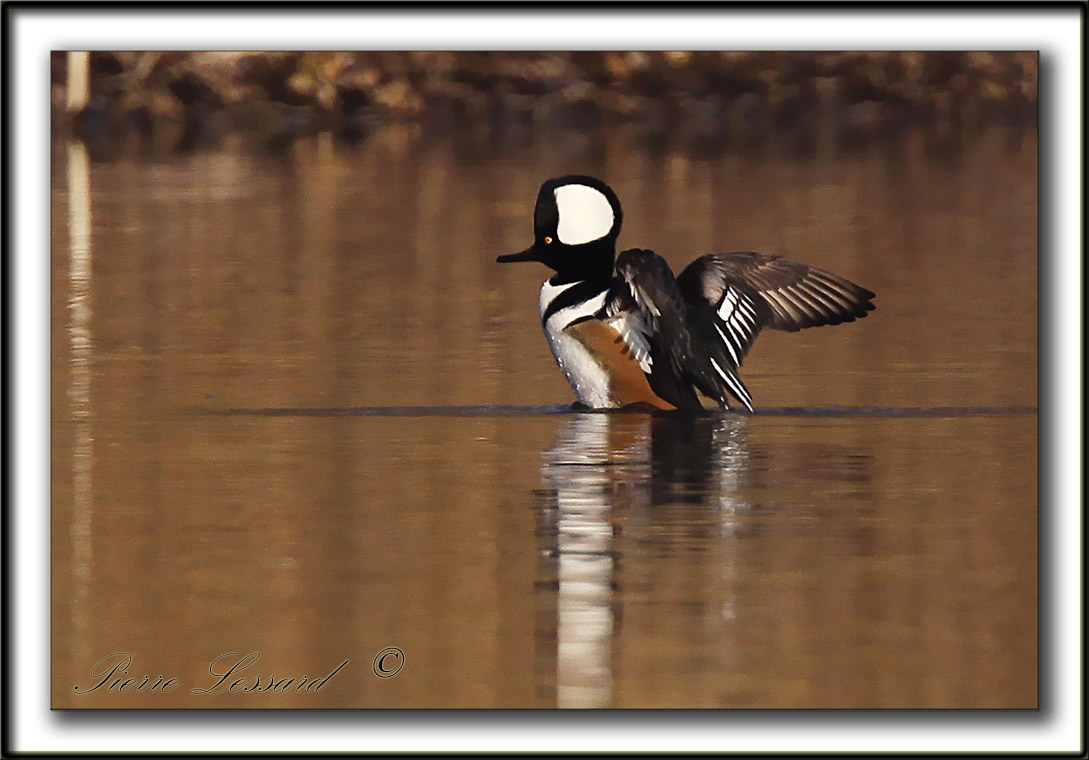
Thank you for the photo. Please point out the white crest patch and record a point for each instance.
(585, 214)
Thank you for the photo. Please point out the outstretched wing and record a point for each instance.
(796, 295)
(731, 297)
(648, 311)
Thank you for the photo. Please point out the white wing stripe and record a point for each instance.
(736, 387)
(737, 338)
(728, 345)
(741, 328)
(728, 305)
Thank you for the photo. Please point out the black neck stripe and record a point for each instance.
(574, 295)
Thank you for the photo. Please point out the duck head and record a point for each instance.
(575, 225)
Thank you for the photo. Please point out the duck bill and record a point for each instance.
(528, 254)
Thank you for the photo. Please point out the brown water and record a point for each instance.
(299, 410)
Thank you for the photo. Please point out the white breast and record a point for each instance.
(590, 382)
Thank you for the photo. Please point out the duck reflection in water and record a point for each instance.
(605, 472)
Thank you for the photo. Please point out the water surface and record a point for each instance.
(299, 410)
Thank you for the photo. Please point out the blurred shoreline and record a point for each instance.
(702, 99)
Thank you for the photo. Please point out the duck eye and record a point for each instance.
(548, 240)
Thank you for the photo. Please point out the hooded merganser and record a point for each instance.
(625, 331)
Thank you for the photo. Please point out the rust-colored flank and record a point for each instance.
(627, 382)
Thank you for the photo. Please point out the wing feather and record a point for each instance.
(798, 296)
(731, 297)
(649, 312)
(720, 303)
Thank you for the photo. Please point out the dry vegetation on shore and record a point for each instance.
(350, 93)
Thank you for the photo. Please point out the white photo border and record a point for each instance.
(1056, 30)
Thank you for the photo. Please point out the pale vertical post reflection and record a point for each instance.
(576, 468)
(79, 387)
(79, 82)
